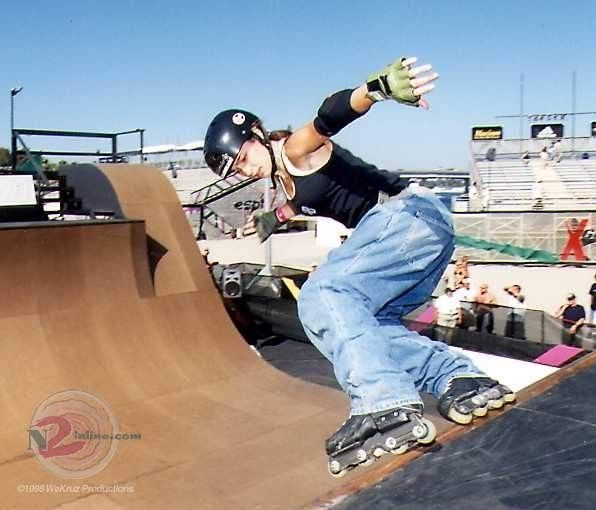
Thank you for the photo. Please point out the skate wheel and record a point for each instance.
(340, 474)
(480, 411)
(335, 469)
(496, 404)
(369, 461)
(430, 433)
(480, 400)
(378, 452)
(457, 417)
(509, 397)
(391, 443)
(400, 450)
(361, 455)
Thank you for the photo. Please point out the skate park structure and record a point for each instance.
(88, 308)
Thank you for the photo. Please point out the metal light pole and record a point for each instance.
(521, 113)
(13, 149)
(573, 105)
(13, 92)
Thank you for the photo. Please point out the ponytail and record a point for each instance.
(279, 134)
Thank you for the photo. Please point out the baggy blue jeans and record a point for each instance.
(351, 306)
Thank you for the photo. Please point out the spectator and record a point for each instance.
(460, 272)
(537, 195)
(485, 199)
(592, 310)
(483, 305)
(525, 157)
(473, 191)
(544, 157)
(209, 263)
(173, 169)
(572, 317)
(447, 307)
(516, 316)
(465, 297)
(557, 149)
(474, 197)
(551, 151)
(414, 185)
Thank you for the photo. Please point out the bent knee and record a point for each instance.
(308, 300)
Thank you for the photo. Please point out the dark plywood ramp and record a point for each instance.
(80, 309)
(541, 454)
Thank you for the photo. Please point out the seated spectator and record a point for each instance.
(484, 302)
(516, 316)
(572, 318)
(525, 157)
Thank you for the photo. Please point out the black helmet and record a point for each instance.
(225, 135)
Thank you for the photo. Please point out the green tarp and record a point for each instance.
(509, 249)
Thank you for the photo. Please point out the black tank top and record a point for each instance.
(345, 189)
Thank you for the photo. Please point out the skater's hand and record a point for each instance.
(402, 82)
(263, 224)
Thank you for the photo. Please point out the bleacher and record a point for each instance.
(505, 182)
(579, 178)
(504, 185)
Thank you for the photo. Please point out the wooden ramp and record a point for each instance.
(83, 307)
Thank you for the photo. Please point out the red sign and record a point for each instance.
(574, 244)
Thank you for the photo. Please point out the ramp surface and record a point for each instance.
(82, 309)
(541, 454)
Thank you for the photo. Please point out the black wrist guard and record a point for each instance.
(335, 113)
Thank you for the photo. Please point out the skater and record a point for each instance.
(352, 306)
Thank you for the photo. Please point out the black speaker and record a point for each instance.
(231, 283)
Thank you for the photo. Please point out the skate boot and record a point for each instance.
(364, 438)
(473, 396)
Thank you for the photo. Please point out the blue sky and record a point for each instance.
(169, 67)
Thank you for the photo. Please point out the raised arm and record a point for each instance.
(398, 81)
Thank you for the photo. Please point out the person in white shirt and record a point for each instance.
(516, 316)
(537, 195)
(448, 312)
(465, 296)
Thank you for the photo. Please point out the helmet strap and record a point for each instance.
(266, 142)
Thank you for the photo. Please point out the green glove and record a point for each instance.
(265, 224)
(392, 82)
